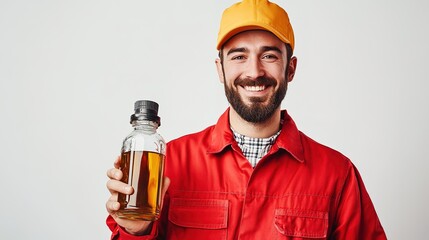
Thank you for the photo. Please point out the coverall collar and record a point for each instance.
(288, 140)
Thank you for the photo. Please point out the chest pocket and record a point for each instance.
(301, 224)
(198, 218)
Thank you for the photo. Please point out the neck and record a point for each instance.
(256, 130)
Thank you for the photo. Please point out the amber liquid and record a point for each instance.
(144, 172)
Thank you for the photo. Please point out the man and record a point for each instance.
(253, 175)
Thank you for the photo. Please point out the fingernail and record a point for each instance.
(128, 188)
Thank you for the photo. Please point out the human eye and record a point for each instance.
(270, 57)
(238, 57)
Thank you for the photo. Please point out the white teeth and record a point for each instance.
(254, 88)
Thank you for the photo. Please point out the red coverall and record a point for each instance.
(299, 190)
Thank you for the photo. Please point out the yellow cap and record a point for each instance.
(255, 14)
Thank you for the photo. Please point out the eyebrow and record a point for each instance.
(233, 50)
(264, 49)
(271, 48)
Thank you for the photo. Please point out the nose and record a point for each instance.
(254, 68)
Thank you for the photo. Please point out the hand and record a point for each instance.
(115, 186)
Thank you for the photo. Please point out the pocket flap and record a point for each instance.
(199, 213)
(301, 223)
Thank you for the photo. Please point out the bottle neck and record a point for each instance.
(144, 125)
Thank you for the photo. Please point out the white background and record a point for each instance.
(70, 72)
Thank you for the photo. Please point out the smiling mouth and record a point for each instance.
(258, 88)
(257, 85)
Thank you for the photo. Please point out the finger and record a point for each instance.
(114, 173)
(117, 162)
(116, 186)
(165, 186)
(112, 206)
(164, 189)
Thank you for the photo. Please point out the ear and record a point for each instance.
(220, 70)
(292, 68)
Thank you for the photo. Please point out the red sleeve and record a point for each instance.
(119, 233)
(356, 216)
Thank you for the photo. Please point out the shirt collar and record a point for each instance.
(289, 138)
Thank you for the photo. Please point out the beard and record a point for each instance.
(257, 111)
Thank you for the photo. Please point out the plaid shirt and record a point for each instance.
(254, 148)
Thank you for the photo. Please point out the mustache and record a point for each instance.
(267, 81)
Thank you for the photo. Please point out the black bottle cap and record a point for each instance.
(146, 110)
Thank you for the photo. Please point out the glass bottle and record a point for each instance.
(142, 164)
